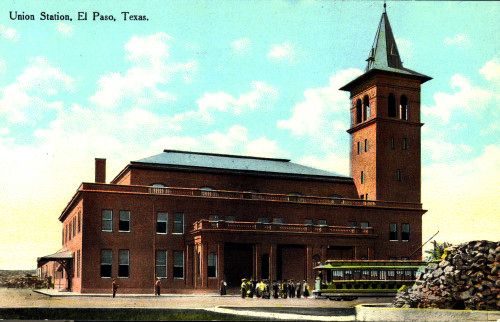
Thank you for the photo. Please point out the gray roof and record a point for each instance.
(233, 163)
(384, 56)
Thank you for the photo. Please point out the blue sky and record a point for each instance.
(243, 77)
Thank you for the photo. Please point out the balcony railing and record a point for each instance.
(222, 194)
(272, 227)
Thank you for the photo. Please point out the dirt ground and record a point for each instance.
(14, 298)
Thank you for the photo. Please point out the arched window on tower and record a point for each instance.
(403, 108)
(392, 106)
(359, 113)
(366, 108)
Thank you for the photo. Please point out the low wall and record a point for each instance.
(374, 312)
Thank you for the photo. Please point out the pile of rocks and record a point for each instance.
(467, 277)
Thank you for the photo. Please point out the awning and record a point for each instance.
(58, 256)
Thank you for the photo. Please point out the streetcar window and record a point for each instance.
(374, 275)
(408, 275)
(348, 275)
(383, 275)
(366, 275)
(357, 274)
(391, 274)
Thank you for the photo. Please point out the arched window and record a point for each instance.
(207, 191)
(403, 108)
(391, 106)
(158, 185)
(359, 112)
(366, 108)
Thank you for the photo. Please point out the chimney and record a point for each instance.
(100, 170)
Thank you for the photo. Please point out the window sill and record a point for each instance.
(394, 240)
(161, 233)
(124, 231)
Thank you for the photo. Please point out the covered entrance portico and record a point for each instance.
(234, 250)
(63, 271)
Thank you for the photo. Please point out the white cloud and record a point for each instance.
(151, 66)
(285, 52)
(460, 194)
(9, 33)
(241, 46)
(439, 150)
(261, 97)
(313, 115)
(460, 40)
(235, 141)
(2, 65)
(491, 129)
(329, 161)
(406, 49)
(25, 99)
(465, 98)
(491, 70)
(65, 29)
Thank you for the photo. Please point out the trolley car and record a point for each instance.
(349, 279)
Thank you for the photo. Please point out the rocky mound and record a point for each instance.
(467, 277)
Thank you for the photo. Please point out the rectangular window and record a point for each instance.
(278, 221)
(178, 265)
(321, 222)
(161, 222)
(106, 262)
(393, 231)
(359, 147)
(70, 231)
(107, 220)
(74, 226)
(78, 263)
(178, 223)
(353, 224)
(161, 264)
(79, 221)
(124, 223)
(362, 177)
(124, 264)
(405, 232)
(214, 218)
(393, 143)
(263, 220)
(405, 143)
(212, 265)
(366, 197)
(366, 145)
(230, 218)
(365, 225)
(399, 176)
(309, 222)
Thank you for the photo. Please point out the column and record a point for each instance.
(257, 267)
(273, 254)
(204, 265)
(309, 263)
(220, 262)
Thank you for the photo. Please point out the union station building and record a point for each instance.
(194, 218)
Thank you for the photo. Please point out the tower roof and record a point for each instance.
(384, 56)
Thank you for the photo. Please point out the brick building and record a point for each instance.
(194, 218)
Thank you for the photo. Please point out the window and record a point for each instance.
(70, 231)
(359, 147)
(214, 218)
(212, 265)
(207, 191)
(278, 221)
(359, 113)
(405, 232)
(178, 265)
(391, 273)
(362, 177)
(405, 259)
(74, 226)
(230, 218)
(393, 231)
(393, 143)
(263, 220)
(161, 264)
(309, 222)
(391, 106)
(321, 222)
(366, 108)
(124, 264)
(106, 262)
(366, 145)
(78, 263)
(124, 223)
(161, 222)
(398, 175)
(335, 197)
(353, 224)
(365, 225)
(178, 223)
(79, 221)
(405, 144)
(403, 108)
(107, 220)
(366, 197)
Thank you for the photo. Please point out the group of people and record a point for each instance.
(276, 289)
(115, 285)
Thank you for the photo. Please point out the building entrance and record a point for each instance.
(291, 262)
(238, 263)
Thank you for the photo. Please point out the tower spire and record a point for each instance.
(384, 52)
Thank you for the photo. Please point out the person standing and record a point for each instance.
(114, 287)
(243, 288)
(222, 288)
(299, 290)
(305, 289)
(157, 286)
